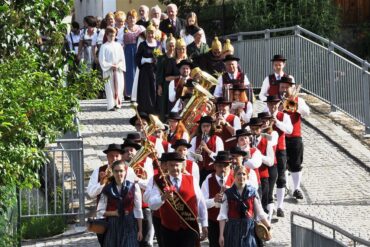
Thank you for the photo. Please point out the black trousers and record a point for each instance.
(157, 230)
(213, 233)
(265, 192)
(147, 228)
(281, 167)
(100, 238)
(180, 238)
(272, 180)
(294, 151)
(202, 175)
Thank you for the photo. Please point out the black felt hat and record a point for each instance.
(189, 83)
(163, 157)
(273, 98)
(286, 79)
(242, 132)
(174, 115)
(113, 147)
(143, 115)
(180, 142)
(134, 136)
(264, 115)
(223, 101)
(192, 29)
(223, 157)
(174, 156)
(231, 58)
(186, 96)
(238, 150)
(185, 62)
(130, 143)
(255, 121)
(278, 57)
(206, 119)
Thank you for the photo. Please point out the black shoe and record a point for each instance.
(298, 194)
(279, 212)
(112, 109)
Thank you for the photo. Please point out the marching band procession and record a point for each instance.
(202, 163)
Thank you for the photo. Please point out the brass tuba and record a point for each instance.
(155, 124)
(144, 152)
(289, 103)
(200, 103)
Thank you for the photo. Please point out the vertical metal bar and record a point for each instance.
(332, 90)
(29, 201)
(63, 191)
(366, 95)
(267, 49)
(291, 227)
(46, 189)
(240, 37)
(71, 161)
(297, 54)
(38, 201)
(55, 183)
(82, 187)
(334, 234)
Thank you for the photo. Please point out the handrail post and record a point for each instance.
(240, 37)
(267, 49)
(366, 93)
(297, 53)
(332, 89)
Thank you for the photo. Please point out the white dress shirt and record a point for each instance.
(155, 201)
(246, 115)
(94, 188)
(255, 161)
(303, 108)
(172, 90)
(266, 85)
(210, 202)
(102, 205)
(269, 158)
(218, 89)
(219, 146)
(73, 38)
(236, 123)
(148, 167)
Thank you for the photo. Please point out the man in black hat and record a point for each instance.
(176, 87)
(144, 171)
(207, 144)
(226, 122)
(213, 188)
(294, 144)
(156, 217)
(269, 85)
(175, 231)
(182, 146)
(274, 136)
(268, 156)
(140, 125)
(283, 126)
(231, 76)
(100, 175)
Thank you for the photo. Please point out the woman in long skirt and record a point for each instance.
(120, 205)
(238, 211)
(146, 62)
(130, 39)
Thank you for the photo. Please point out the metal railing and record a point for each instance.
(313, 236)
(323, 68)
(61, 191)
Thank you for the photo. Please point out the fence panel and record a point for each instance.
(323, 68)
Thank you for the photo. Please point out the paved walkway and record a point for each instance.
(336, 187)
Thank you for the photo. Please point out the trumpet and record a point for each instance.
(204, 139)
(289, 103)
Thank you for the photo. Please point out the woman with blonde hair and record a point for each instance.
(240, 208)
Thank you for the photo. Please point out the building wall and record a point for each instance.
(126, 5)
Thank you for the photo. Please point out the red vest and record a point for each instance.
(281, 140)
(178, 88)
(189, 166)
(296, 119)
(263, 169)
(165, 146)
(128, 201)
(252, 150)
(274, 87)
(213, 189)
(225, 134)
(169, 218)
(206, 159)
(234, 208)
(238, 80)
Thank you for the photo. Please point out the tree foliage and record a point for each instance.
(36, 106)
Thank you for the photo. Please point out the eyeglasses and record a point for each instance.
(118, 171)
